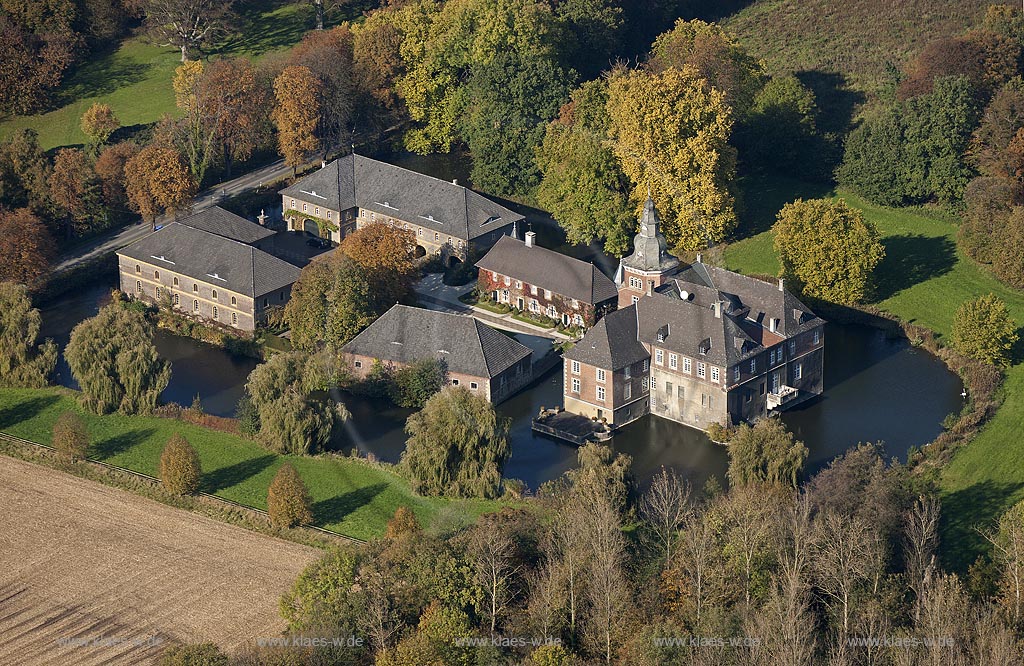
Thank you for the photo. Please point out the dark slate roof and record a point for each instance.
(548, 269)
(406, 334)
(214, 259)
(650, 250)
(355, 180)
(224, 223)
(612, 342)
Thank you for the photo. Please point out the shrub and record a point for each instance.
(70, 436)
(288, 501)
(983, 330)
(202, 654)
(413, 385)
(179, 467)
(402, 523)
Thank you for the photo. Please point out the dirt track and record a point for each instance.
(88, 571)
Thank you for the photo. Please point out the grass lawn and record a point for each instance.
(923, 279)
(135, 78)
(349, 497)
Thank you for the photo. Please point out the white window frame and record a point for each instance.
(659, 357)
(673, 361)
(687, 365)
(702, 370)
(714, 373)
(798, 371)
(600, 375)
(575, 385)
(575, 367)
(600, 393)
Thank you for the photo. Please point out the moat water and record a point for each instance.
(876, 389)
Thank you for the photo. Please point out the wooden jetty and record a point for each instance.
(572, 428)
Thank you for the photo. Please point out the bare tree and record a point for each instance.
(493, 551)
(607, 592)
(1008, 548)
(664, 507)
(569, 551)
(943, 624)
(920, 540)
(546, 606)
(698, 561)
(380, 619)
(186, 24)
(749, 521)
(994, 642)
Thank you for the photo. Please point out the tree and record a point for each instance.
(670, 131)
(716, 56)
(321, 596)
(292, 419)
(70, 436)
(920, 543)
(386, 255)
(196, 131)
(188, 25)
(116, 364)
(414, 384)
(457, 446)
(288, 501)
(827, 249)
(75, 188)
(23, 363)
(664, 508)
(234, 92)
(983, 330)
(331, 303)
(327, 54)
(157, 180)
(607, 591)
(492, 549)
(582, 184)
(26, 248)
(201, 654)
(999, 125)
(296, 114)
(402, 523)
(24, 172)
(508, 102)
(765, 453)
(1008, 546)
(31, 65)
(110, 169)
(179, 466)
(780, 131)
(98, 123)
(985, 58)
(604, 473)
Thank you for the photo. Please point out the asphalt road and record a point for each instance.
(118, 238)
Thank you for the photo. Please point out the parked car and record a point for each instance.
(318, 242)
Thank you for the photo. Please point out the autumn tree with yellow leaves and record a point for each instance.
(157, 180)
(296, 90)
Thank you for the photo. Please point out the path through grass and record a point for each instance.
(923, 280)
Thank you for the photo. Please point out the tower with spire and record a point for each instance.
(650, 265)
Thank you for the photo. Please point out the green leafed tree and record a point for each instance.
(330, 304)
(827, 249)
(322, 595)
(293, 415)
(116, 364)
(180, 471)
(765, 453)
(780, 130)
(582, 184)
(70, 436)
(200, 654)
(288, 500)
(414, 384)
(457, 446)
(23, 362)
(670, 131)
(983, 330)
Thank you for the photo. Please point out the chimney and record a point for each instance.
(455, 181)
(773, 324)
(717, 307)
(262, 218)
(650, 287)
(782, 284)
(323, 164)
(699, 258)
(531, 237)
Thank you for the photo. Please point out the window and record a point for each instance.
(771, 358)
(138, 286)
(533, 290)
(419, 232)
(156, 275)
(455, 382)
(654, 383)
(547, 294)
(673, 361)
(437, 236)
(575, 367)
(508, 281)
(600, 393)
(214, 294)
(817, 336)
(792, 347)
(293, 203)
(316, 211)
(266, 302)
(519, 284)
(234, 301)
(534, 306)
(195, 306)
(736, 374)
(138, 269)
(359, 364)
(175, 281)
(216, 312)
(762, 388)
(714, 374)
(552, 312)
(702, 370)
(753, 365)
(195, 288)
(687, 366)
(234, 317)
(647, 364)
(159, 292)
(679, 392)
(659, 357)
(635, 282)
(627, 390)
(600, 375)
(329, 215)
(668, 388)
(473, 385)
(281, 296)
(575, 385)
(304, 208)
(797, 371)
(577, 319)
(626, 371)
(176, 301)
(575, 304)
(643, 383)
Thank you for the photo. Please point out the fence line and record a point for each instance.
(154, 480)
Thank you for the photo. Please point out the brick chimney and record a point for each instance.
(650, 287)
(531, 238)
(717, 307)
(782, 284)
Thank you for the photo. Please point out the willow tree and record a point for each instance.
(670, 131)
(457, 446)
(116, 364)
(23, 363)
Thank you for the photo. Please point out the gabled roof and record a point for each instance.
(225, 223)
(612, 342)
(213, 259)
(406, 334)
(548, 269)
(355, 180)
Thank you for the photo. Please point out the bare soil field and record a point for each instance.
(95, 575)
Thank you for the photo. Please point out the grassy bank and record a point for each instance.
(923, 279)
(350, 497)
